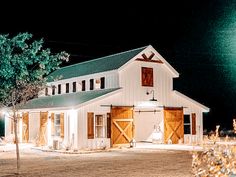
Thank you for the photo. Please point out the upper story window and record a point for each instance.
(91, 81)
(67, 87)
(83, 85)
(100, 83)
(147, 77)
(74, 86)
(46, 91)
(102, 86)
(59, 89)
(53, 89)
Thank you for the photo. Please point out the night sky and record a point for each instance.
(198, 38)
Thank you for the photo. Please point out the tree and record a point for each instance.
(24, 65)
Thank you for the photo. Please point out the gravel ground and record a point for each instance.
(120, 162)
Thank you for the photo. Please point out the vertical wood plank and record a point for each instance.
(90, 125)
(62, 124)
(193, 123)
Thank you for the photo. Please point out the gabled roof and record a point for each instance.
(102, 64)
(205, 109)
(66, 100)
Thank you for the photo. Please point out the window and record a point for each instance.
(67, 87)
(53, 89)
(147, 77)
(57, 125)
(74, 86)
(102, 86)
(83, 85)
(100, 83)
(46, 91)
(59, 89)
(99, 126)
(97, 83)
(187, 125)
(91, 84)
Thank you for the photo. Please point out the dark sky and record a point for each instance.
(198, 38)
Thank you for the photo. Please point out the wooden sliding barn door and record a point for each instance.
(43, 128)
(121, 125)
(173, 124)
(25, 127)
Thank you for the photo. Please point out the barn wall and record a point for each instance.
(111, 81)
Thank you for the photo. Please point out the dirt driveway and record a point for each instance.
(132, 162)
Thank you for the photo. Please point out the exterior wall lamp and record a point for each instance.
(152, 99)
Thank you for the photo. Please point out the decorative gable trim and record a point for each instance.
(149, 59)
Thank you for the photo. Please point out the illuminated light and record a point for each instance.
(73, 113)
(147, 104)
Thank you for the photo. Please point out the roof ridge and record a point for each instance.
(103, 57)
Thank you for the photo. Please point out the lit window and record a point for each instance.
(57, 125)
(100, 126)
(187, 125)
(97, 83)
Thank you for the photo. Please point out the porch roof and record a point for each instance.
(66, 100)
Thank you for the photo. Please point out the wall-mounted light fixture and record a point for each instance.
(152, 99)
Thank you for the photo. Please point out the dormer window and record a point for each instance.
(59, 89)
(53, 89)
(91, 81)
(102, 86)
(67, 87)
(74, 86)
(46, 91)
(83, 85)
(100, 83)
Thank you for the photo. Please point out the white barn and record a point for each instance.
(109, 101)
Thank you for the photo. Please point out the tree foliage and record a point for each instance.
(23, 67)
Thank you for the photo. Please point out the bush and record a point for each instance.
(215, 160)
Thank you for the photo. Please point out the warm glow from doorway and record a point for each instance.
(147, 104)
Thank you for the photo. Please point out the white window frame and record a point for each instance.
(189, 124)
(102, 126)
(57, 127)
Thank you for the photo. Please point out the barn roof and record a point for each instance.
(98, 65)
(66, 100)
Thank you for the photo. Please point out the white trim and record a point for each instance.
(174, 73)
(98, 98)
(206, 109)
(168, 66)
